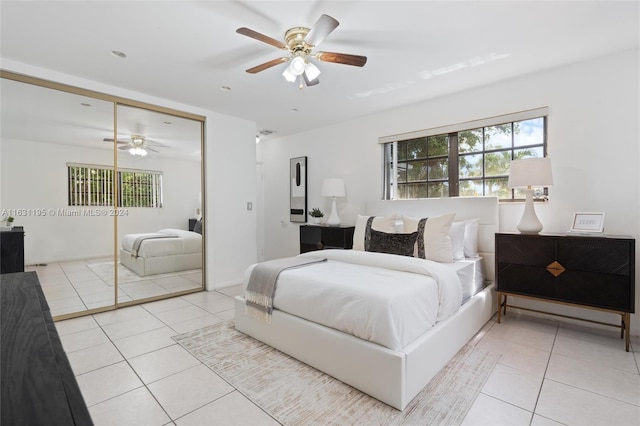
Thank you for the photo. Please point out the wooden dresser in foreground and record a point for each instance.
(38, 385)
(588, 272)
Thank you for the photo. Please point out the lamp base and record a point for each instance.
(334, 219)
(529, 224)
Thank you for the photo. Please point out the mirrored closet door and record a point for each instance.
(84, 174)
(159, 224)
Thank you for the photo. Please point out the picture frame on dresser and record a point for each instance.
(587, 223)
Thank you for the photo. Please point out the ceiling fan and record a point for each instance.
(300, 42)
(138, 146)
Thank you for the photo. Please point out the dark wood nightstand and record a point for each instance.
(588, 272)
(319, 237)
(12, 250)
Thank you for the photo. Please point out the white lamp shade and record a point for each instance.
(333, 187)
(291, 77)
(530, 172)
(311, 71)
(141, 152)
(297, 65)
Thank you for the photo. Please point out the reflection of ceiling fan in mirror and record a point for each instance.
(138, 146)
(299, 42)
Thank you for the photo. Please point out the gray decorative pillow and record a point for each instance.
(198, 227)
(383, 242)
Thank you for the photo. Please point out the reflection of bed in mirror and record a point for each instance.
(168, 250)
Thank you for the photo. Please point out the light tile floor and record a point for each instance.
(131, 372)
(80, 285)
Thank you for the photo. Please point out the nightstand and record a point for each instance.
(12, 250)
(319, 237)
(588, 272)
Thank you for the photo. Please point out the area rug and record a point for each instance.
(105, 271)
(296, 394)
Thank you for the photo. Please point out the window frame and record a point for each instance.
(390, 188)
(104, 196)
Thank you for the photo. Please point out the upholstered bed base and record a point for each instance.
(144, 266)
(393, 377)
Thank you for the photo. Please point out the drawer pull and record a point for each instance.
(555, 268)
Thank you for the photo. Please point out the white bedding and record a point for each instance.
(387, 299)
(187, 242)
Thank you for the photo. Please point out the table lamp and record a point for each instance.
(333, 187)
(528, 173)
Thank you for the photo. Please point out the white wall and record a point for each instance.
(593, 134)
(231, 174)
(230, 243)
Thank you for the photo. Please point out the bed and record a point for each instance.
(393, 371)
(168, 250)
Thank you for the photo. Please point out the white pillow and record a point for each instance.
(471, 238)
(380, 223)
(457, 239)
(435, 239)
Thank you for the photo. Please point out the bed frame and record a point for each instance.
(393, 377)
(144, 266)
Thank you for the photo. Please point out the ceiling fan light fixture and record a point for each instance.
(300, 43)
(311, 71)
(297, 66)
(291, 77)
(138, 152)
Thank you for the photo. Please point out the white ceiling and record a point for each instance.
(417, 50)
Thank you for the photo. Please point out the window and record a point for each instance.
(94, 186)
(140, 189)
(462, 161)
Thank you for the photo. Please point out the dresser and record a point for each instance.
(12, 250)
(38, 385)
(588, 272)
(319, 237)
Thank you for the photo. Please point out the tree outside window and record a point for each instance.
(472, 162)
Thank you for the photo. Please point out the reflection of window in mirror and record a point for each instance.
(67, 204)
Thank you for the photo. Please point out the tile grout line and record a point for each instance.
(544, 376)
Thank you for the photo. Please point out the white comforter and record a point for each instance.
(186, 243)
(387, 299)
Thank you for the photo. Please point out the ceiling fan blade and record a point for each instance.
(310, 82)
(111, 140)
(266, 65)
(322, 28)
(148, 142)
(124, 147)
(261, 37)
(150, 149)
(342, 58)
